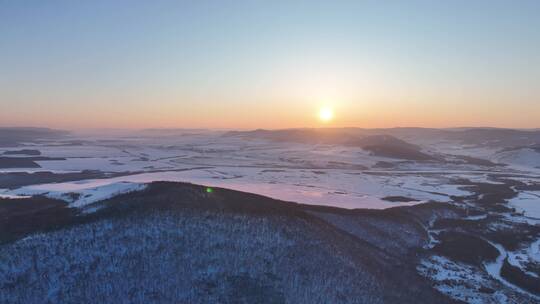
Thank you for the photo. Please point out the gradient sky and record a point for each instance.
(269, 64)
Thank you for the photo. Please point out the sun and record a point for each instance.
(326, 114)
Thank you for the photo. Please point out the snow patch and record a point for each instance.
(521, 158)
(527, 202)
(79, 194)
(459, 281)
(534, 251)
(4, 193)
(494, 270)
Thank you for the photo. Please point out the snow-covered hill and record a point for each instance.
(179, 243)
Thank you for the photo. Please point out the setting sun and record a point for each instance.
(326, 114)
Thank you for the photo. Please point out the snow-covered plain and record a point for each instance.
(331, 175)
(528, 202)
(329, 187)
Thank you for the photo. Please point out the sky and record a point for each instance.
(269, 64)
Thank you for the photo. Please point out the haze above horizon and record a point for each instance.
(274, 65)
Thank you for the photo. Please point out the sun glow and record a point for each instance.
(326, 114)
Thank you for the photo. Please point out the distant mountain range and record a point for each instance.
(395, 143)
(15, 136)
(488, 136)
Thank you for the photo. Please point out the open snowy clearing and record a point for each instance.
(329, 187)
(528, 203)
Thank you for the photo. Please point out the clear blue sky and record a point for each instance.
(243, 64)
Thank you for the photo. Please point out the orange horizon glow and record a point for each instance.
(300, 115)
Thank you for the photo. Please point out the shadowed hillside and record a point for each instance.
(178, 243)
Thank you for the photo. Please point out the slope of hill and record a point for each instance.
(390, 146)
(378, 144)
(178, 243)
